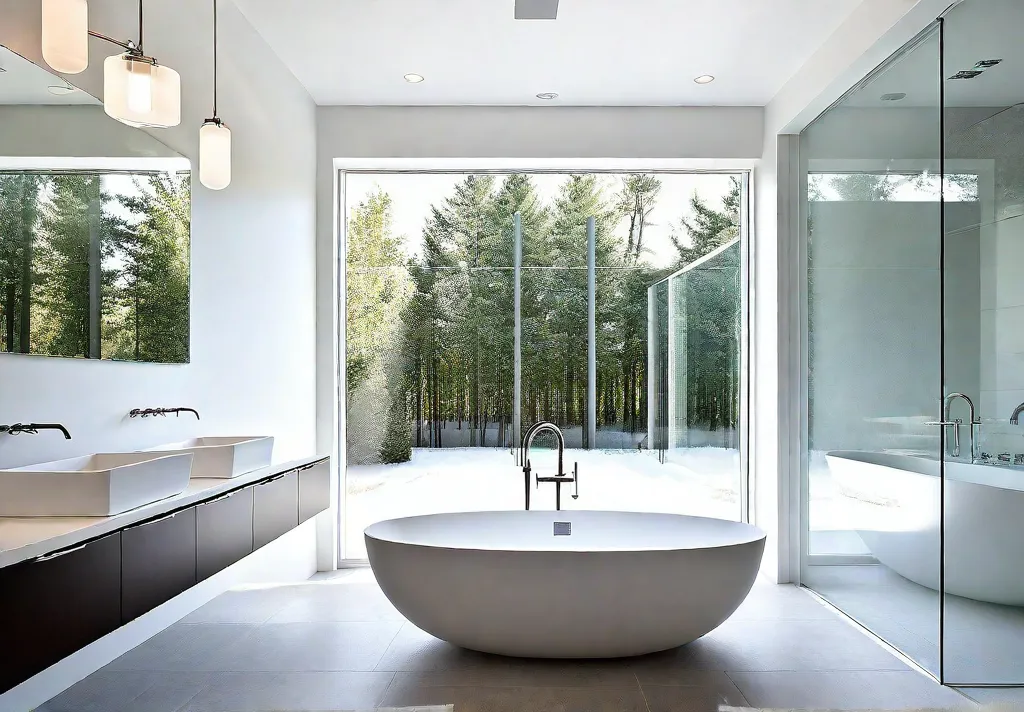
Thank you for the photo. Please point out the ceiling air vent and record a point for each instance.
(966, 74)
(536, 9)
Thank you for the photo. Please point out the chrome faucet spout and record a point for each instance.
(947, 405)
(560, 478)
(1015, 418)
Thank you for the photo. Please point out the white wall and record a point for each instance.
(78, 131)
(1002, 317)
(875, 335)
(253, 256)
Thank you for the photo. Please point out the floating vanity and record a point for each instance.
(83, 577)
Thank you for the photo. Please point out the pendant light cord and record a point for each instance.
(140, 25)
(215, 59)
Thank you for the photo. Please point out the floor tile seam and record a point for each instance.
(643, 694)
(386, 649)
(189, 701)
(387, 689)
(736, 684)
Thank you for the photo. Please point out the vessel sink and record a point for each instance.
(93, 485)
(223, 457)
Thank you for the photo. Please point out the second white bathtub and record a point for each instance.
(898, 500)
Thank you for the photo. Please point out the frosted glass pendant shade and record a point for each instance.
(215, 155)
(141, 94)
(65, 35)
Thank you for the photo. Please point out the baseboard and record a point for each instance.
(292, 557)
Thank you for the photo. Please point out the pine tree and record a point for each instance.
(377, 291)
(709, 229)
(636, 201)
(711, 293)
(74, 234)
(148, 309)
(19, 214)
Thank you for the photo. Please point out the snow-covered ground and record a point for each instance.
(704, 481)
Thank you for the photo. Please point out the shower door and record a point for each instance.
(983, 335)
(871, 458)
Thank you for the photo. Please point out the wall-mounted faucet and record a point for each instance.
(145, 412)
(561, 478)
(33, 428)
(947, 404)
(1015, 418)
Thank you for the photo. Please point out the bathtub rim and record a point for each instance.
(755, 535)
(953, 470)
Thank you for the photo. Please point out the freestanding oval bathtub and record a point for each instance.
(898, 518)
(570, 584)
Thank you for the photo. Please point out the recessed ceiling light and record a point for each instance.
(704, 79)
(61, 89)
(547, 95)
(414, 78)
(894, 96)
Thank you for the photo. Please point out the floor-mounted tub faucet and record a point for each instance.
(561, 478)
(947, 405)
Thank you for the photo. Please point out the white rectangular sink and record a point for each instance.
(93, 485)
(223, 457)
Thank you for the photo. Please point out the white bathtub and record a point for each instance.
(620, 584)
(896, 500)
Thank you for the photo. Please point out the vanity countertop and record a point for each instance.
(24, 538)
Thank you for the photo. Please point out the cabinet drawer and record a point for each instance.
(57, 604)
(223, 532)
(275, 508)
(158, 561)
(314, 490)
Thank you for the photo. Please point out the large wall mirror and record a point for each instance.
(94, 227)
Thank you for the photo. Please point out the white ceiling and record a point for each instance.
(598, 52)
(24, 83)
(972, 32)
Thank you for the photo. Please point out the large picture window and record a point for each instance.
(463, 290)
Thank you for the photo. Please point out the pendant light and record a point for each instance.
(137, 90)
(65, 35)
(215, 137)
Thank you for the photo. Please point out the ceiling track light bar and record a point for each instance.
(137, 89)
(133, 49)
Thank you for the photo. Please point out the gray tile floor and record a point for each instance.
(983, 642)
(336, 643)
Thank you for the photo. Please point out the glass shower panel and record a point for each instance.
(696, 346)
(872, 477)
(983, 602)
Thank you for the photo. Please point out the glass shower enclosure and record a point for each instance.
(913, 459)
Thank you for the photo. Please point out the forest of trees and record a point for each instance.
(430, 338)
(93, 273)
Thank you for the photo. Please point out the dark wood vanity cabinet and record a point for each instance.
(56, 604)
(275, 507)
(60, 602)
(314, 489)
(158, 561)
(223, 532)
